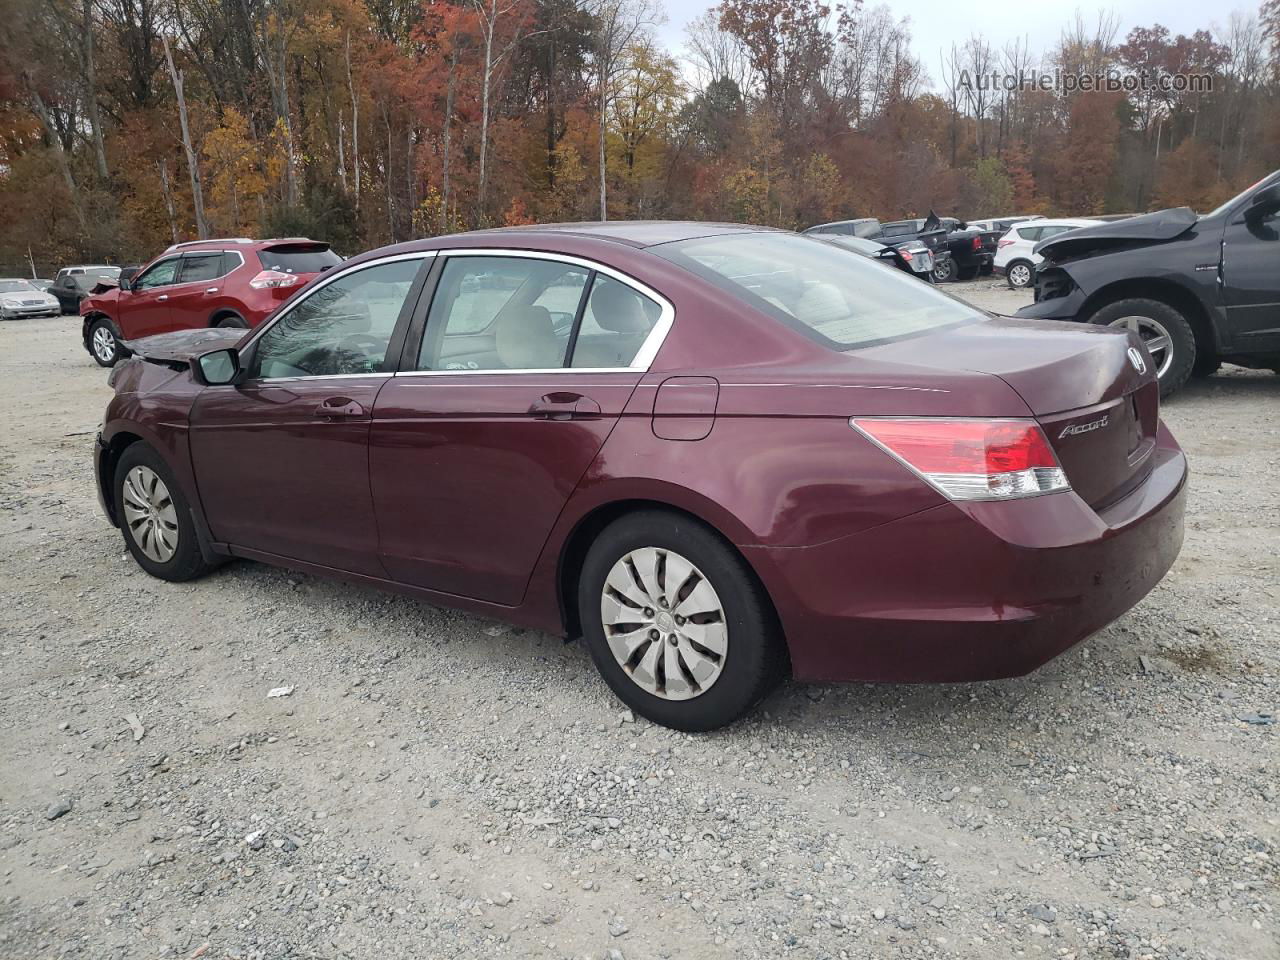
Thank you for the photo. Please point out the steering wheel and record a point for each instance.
(372, 348)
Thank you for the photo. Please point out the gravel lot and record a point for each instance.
(442, 786)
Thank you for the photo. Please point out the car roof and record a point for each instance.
(634, 233)
(222, 243)
(1059, 222)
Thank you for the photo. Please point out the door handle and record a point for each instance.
(211, 290)
(564, 406)
(163, 296)
(339, 407)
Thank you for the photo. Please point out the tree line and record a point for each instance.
(126, 125)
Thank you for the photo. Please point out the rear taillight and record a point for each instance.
(273, 278)
(971, 459)
(906, 255)
(1004, 243)
(977, 243)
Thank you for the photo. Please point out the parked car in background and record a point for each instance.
(1003, 223)
(206, 283)
(20, 298)
(912, 257)
(972, 250)
(41, 284)
(1198, 289)
(1016, 260)
(934, 239)
(72, 284)
(746, 455)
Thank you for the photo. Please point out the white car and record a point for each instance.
(1003, 223)
(20, 298)
(1014, 260)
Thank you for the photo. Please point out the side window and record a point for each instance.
(1030, 233)
(343, 327)
(614, 325)
(1047, 232)
(200, 266)
(161, 275)
(502, 313)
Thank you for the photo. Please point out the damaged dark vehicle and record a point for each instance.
(1198, 290)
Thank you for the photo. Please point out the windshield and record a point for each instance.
(836, 297)
(17, 286)
(1241, 195)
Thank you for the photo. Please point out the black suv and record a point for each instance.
(1197, 290)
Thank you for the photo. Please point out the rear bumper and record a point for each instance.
(978, 591)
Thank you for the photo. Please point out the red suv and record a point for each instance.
(205, 283)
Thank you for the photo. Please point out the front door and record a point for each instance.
(282, 460)
(144, 308)
(1251, 290)
(524, 369)
(198, 283)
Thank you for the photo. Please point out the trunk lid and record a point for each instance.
(1081, 383)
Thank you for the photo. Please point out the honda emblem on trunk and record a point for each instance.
(1135, 357)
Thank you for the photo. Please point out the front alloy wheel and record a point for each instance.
(944, 270)
(1154, 337)
(103, 344)
(149, 514)
(664, 623)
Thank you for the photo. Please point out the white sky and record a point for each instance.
(936, 24)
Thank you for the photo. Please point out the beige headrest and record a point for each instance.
(525, 339)
(618, 308)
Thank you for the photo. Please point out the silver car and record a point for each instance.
(20, 298)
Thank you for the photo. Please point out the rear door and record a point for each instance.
(524, 365)
(144, 307)
(198, 285)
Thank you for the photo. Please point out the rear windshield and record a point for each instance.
(834, 296)
(298, 259)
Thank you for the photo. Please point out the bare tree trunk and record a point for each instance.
(193, 161)
(168, 199)
(391, 200)
(342, 160)
(448, 131)
(91, 96)
(355, 126)
(484, 116)
(604, 101)
(52, 133)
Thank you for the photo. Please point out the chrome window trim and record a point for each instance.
(644, 356)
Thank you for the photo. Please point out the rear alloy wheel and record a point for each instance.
(155, 518)
(677, 623)
(1164, 331)
(1019, 274)
(944, 270)
(103, 343)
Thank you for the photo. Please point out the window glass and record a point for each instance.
(615, 323)
(298, 258)
(502, 313)
(1030, 233)
(200, 266)
(343, 327)
(836, 297)
(160, 275)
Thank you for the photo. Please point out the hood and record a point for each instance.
(183, 346)
(1159, 227)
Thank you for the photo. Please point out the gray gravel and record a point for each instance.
(442, 786)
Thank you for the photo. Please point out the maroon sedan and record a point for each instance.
(720, 454)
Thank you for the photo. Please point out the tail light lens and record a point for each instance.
(977, 243)
(273, 278)
(971, 459)
(1004, 242)
(906, 255)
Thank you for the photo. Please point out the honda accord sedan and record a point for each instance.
(720, 455)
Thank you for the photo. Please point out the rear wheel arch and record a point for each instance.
(574, 551)
(228, 318)
(1166, 292)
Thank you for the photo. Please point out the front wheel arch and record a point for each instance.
(1171, 295)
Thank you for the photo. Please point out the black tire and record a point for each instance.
(186, 562)
(944, 270)
(232, 322)
(1020, 274)
(104, 345)
(1182, 338)
(755, 660)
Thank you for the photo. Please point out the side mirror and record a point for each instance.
(1265, 201)
(219, 368)
(126, 277)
